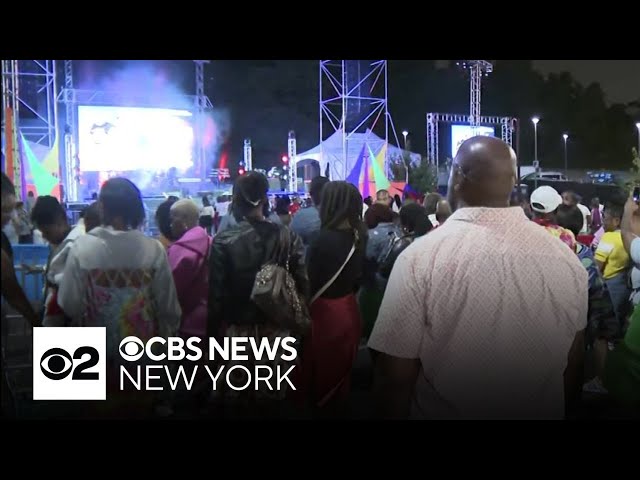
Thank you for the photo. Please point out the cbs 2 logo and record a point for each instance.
(57, 364)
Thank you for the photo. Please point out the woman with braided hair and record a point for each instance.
(237, 255)
(334, 263)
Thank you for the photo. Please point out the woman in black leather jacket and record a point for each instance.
(236, 256)
(238, 253)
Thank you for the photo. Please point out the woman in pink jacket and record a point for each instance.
(188, 258)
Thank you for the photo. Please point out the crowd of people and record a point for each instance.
(597, 236)
(19, 229)
(482, 305)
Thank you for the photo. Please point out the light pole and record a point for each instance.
(535, 121)
(406, 166)
(638, 127)
(566, 167)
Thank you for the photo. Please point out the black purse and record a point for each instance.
(275, 291)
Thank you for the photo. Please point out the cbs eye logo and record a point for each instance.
(131, 349)
(57, 364)
(69, 363)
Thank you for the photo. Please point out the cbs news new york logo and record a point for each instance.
(69, 363)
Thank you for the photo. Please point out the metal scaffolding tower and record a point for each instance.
(432, 139)
(10, 113)
(353, 97)
(71, 164)
(116, 97)
(507, 128)
(29, 90)
(477, 69)
(292, 149)
(202, 105)
(248, 160)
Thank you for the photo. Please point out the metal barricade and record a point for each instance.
(30, 261)
(17, 335)
(17, 357)
(31, 279)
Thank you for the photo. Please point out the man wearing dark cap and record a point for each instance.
(483, 318)
(306, 222)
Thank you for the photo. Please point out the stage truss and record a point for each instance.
(72, 98)
(29, 92)
(202, 105)
(71, 166)
(477, 69)
(336, 94)
(292, 150)
(507, 127)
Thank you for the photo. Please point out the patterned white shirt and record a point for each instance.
(122, 281)
(490, 304)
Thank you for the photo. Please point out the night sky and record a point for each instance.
(620, 79)
(264, 99)
(285, 94)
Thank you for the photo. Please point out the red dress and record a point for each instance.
(329, 351)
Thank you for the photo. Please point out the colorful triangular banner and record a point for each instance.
(354, 175)
(42, 179)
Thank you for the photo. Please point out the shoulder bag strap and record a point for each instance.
(335, 277)
(280, 255)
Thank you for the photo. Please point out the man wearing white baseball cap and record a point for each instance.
(545, 201)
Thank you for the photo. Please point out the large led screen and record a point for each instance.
(128, 138)
(460, 133)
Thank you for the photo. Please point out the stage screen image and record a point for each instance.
(128, 138)
(460, 133)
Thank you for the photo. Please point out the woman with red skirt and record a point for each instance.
(334, 265)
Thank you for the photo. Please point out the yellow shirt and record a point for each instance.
(611, 252)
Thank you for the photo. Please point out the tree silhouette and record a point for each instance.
(424, 177)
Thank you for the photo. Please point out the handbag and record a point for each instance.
(275, 292)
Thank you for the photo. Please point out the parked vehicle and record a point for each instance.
(605, 192)
(545, 176)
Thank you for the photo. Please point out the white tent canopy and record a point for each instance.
(330, 151)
